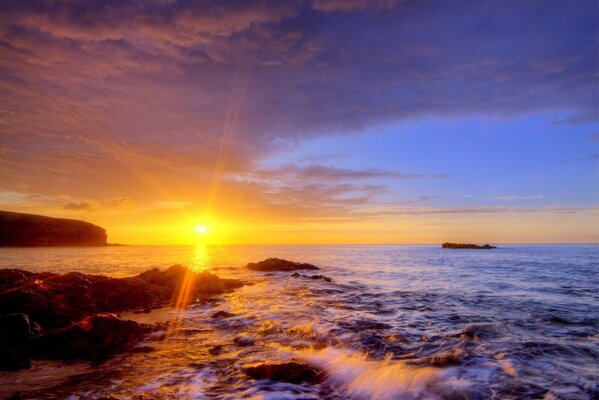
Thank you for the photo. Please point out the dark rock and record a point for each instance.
(223, 314)
(15, 329)
(94, 338)
(216, 350)
(278, 264)
(284, 371)
(18, 229)
(65, 306)
(466, 246)
(324, 278)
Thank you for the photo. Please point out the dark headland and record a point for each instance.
(30, 230)
(467, 246)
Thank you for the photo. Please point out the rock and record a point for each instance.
(15, 329)
(94, 338)
(244, 340)
(222, 314)
(322, 277)
(66, 307)
(278, 264)
(466, 246)
(216, 350)
(284, 371)
(18, 229)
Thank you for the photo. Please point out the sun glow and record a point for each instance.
(201, 229)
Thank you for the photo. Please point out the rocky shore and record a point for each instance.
(46, 316)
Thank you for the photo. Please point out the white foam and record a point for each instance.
(360, 378)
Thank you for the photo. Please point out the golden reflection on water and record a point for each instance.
(201, 258)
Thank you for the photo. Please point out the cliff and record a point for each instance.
(18, 229)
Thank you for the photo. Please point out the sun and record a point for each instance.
(201, 229)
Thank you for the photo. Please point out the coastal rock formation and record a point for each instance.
(322, 277)
(17, 229)
(284, 371)
(279, 264)
(63, 316)
(466, 246)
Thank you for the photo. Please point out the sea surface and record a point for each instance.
(395, 322)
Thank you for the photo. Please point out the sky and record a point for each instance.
(316, 121)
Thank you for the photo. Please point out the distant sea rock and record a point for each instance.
(279, 264)
(466, 246)
(18, 229)
(65, 316)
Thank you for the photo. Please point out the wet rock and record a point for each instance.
(34, 303)
(216, 350)
(244, 340)
(15, 328)
(279, 264)
(94, 338)
(284, 371)
(222, 314)
(322, 277)
(466, 246)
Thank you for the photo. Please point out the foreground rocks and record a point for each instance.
(466, 246)
(64, 316)
(284, 371)
(18, 229)
(279, 264)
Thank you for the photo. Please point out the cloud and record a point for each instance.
(331, 173)
(83, 206)
(427, 198)
(178, 102)
(517, 197)
(119, 203)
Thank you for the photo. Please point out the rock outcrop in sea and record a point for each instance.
(279, 264)
(18, 229)
(68, 316)
(467, 246)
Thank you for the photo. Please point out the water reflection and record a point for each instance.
(201, 258)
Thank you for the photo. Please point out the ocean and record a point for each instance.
(395, 322)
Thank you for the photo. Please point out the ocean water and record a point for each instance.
(396, 322)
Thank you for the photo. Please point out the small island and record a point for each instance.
(31, 230)
(467, 246)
